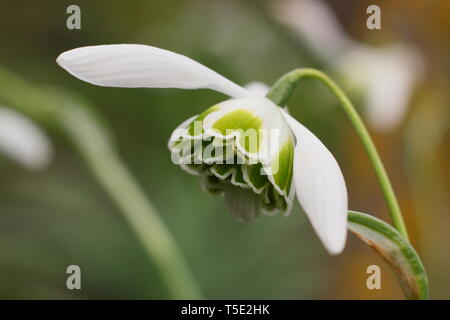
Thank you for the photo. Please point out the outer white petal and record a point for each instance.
(137, 66)
(320, 187)
(24, 142)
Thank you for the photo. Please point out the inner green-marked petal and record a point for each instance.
(199, 120)
(245, 122)
(248, 189)
(222, 170)
(282, 166)
(238, 176)
(255, 175)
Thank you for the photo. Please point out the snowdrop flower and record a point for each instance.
(22, 141)
(385, 75)
(263, 172)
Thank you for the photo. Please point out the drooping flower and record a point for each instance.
(246, 147)
(23, 141)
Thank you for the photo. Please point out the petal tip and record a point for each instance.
(334, 247)
(60, 59)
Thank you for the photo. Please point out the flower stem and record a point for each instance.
(61, 112)
(141, 215)
(280, 94)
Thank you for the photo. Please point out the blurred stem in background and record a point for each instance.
(56, 111)
(283, 89)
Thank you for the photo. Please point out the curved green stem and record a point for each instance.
(281, 92)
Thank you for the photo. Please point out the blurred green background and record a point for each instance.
(59, 216)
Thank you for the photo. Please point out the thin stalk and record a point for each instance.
(280, 94)
(138, 211)
(62, 112)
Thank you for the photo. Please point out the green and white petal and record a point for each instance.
(234, 172)
(195, 128)
(280, 169)
(180, 132)
(256, 124)
(320, 187)
(255, 177)
(238, 120)
(184, 151)
(141, 66)
(262, 135)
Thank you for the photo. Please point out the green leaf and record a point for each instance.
(390, 245)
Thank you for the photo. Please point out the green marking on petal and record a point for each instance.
(191, 128)
(272, 202)
(238, 177)
(245, 122)
(284, 168)
(221, 170)
(277, 199)
(254, 177)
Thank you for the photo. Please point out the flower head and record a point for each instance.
(241, 147)
(247, 148)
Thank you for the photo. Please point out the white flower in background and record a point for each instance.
(385, 75)
(316, 24)
(23, 141)
(266, 179)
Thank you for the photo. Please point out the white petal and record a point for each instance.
(320, 187)
(257, 88)
(138, 66)
(24, 142)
